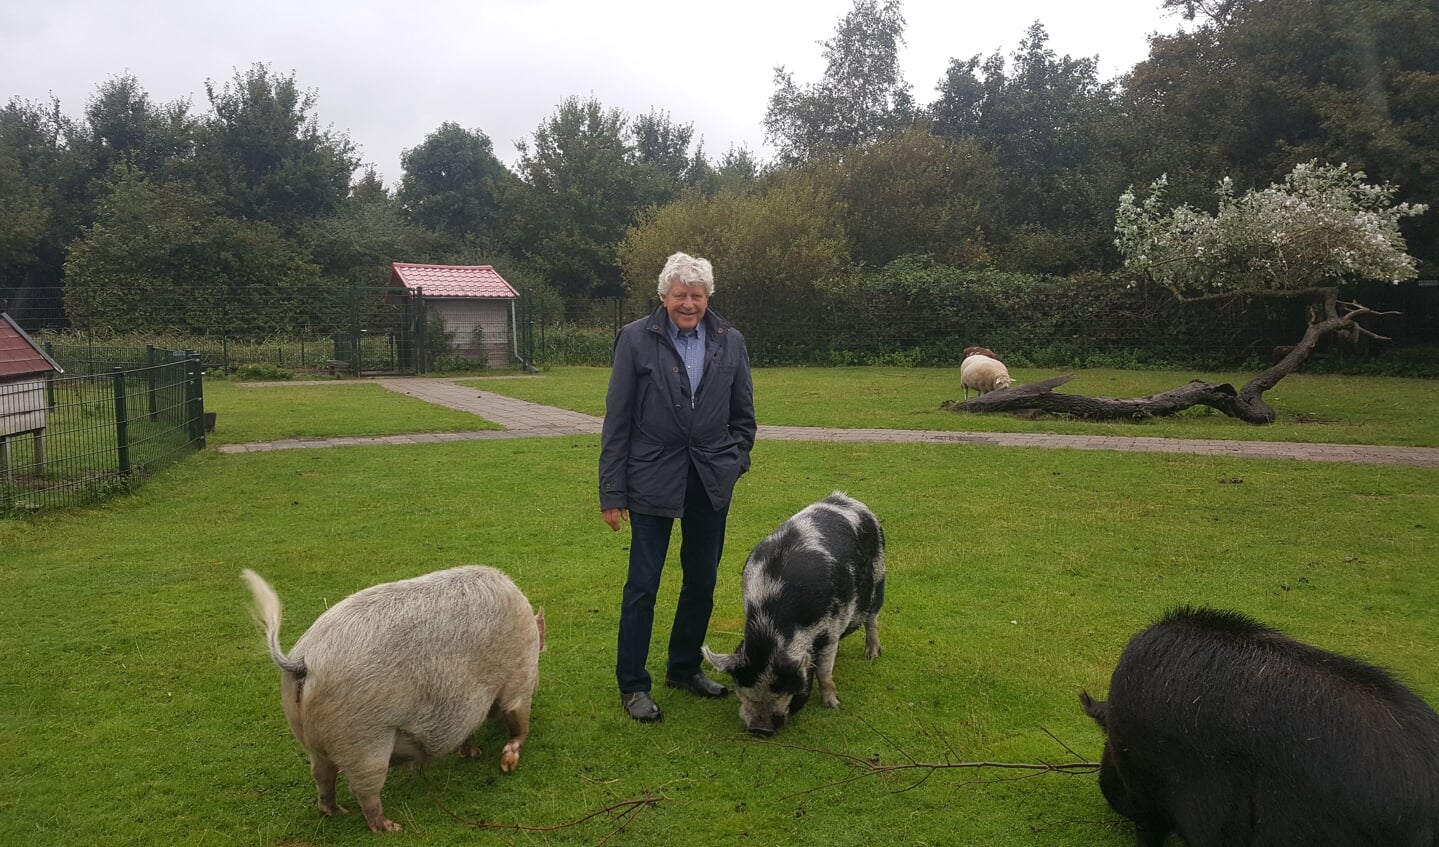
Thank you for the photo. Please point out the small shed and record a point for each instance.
(24, 368)
(474, 302)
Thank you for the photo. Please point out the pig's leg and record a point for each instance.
(824, 664)
(365, 769)
(871, 637)
(518, 721)
(324, 772)
(365, 784)
(471, 749)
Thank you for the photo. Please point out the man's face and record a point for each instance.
(686, 304)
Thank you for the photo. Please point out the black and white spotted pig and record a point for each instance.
(814, 580)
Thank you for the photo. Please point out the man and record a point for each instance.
(679, 425)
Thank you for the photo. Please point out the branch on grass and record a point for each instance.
(868, 767)
(624, 811)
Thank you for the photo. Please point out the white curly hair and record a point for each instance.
(689, 270)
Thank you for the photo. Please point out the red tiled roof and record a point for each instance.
(452, 280)
(19, 356)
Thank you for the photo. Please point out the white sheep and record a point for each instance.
(983, 373)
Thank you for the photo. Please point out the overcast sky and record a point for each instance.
(388, 72)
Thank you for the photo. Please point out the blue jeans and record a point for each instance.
(701, 544)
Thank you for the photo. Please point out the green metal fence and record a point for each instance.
(104, 425)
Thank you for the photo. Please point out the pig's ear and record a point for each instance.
(540, 624)
(724, 663)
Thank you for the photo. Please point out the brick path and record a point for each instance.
(522, 419)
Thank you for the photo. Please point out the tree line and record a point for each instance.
(249, 218)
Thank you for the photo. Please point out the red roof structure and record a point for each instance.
(461, 281)
(20, 356)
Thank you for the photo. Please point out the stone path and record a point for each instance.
(522, 419)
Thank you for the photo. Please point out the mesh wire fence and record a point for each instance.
(1053, 323)
(77, 438)
(923, 320)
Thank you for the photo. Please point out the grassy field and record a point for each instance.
(1320, 408)
(141, 708)
(279, 410)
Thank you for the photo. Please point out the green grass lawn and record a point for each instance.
(279, 410)
(140, 707)
(1319, 408)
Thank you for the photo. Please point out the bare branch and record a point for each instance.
(865, 767)
(624, 811)
(1067, 748)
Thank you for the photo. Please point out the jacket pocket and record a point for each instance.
(643, 450)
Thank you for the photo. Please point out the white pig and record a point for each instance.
(404, 672)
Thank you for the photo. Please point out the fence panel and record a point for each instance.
(96, 433)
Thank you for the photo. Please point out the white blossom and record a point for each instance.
(1321, 226)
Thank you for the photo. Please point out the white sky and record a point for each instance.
(389, 73)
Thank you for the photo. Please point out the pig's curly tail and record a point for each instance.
(267, 614)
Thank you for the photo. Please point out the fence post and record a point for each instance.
(152, 391)
(422, 331)
(195, 399)
(122, 424)
(50, 378)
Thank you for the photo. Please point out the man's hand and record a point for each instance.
(614, 516)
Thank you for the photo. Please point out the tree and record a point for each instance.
(163, 257)
(862, 96)
(23, 210)
(737, 172)
(772, 250)
(915, 193)
(38, 218)
(263, 151)
(355, 246)
(1322, 227)
(1213, 11)
(1259, 87)
(578, 194)
(1043, 117)
(122, 126)
(453, 183)
(662, 148)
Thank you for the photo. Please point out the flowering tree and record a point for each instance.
(1323, 226)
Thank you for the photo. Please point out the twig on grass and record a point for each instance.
(868, 767)
(624, 811)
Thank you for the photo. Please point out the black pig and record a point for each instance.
(814, 580)
(1229, 733)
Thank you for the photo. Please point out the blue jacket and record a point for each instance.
(654, 430)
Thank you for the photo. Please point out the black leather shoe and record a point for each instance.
(640, 707)
(698, 685)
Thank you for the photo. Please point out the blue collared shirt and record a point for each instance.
(691, 347)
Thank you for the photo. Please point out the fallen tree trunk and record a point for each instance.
(1041, 396)
(1329, 315)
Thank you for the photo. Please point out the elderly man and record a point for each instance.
(679, 425)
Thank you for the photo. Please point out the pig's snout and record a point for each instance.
(766, 730)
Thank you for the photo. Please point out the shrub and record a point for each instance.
(262, 371)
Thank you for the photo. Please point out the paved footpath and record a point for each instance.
(522, 419)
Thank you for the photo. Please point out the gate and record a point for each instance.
(386, 335)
